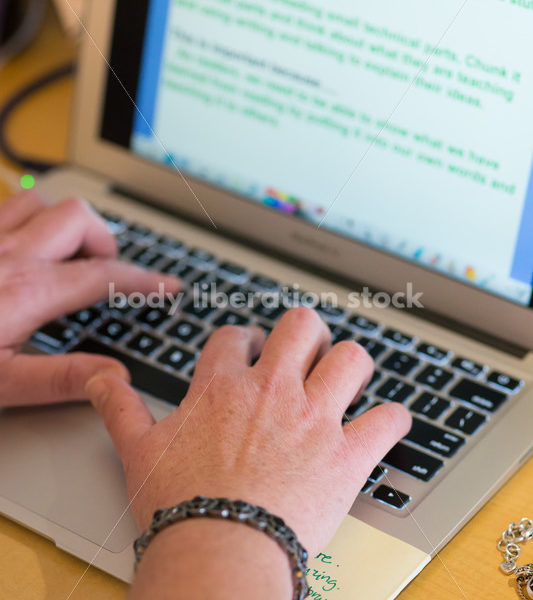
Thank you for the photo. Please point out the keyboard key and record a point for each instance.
(268, 312)
(204, 279)
(433, 438)
(432, 352)
(478, 395)
(140, 230)
(411, 461)
(339, 334)
(264, 283)
(154, 317)
(170, 247)
(363, 323)
(434, 377)
(465, 420)
(366, 487)
(266, 328)
(178, 267)
(430, 406)
(55, 336)
(391, 497)
(115, 223)
(85, 317)
(377, 474)
(184, 330)
(144, 377)
(294, 297)
(373, 347)
(239, 296)
(201, 343)
(120, 308)
(330, 313)
(201, 258)
(123, 244)
(376, 376)
(399, 338)
(231, 318)
(147, 257)
(467, 366)
(176, 357)
(200, 311)
(144, 343)
(233, 272)
(114, 330)
(504, 381)
(353, 409)
(395, 390)
(400, 363)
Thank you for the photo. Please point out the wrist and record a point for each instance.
(215, 559)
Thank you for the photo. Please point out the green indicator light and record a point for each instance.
(27, 182)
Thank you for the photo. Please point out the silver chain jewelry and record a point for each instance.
(509, 546)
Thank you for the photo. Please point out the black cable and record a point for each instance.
(28, 162)
(3, 19)
(28, 16)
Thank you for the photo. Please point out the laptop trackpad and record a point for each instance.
(59, 463)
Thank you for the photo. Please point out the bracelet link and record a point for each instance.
(239, 511)
(509, 545)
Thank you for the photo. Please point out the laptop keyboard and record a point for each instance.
(451, 398)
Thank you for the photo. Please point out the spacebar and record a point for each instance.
(144, 377)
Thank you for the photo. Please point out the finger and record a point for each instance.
(63, 288)
(39, 379)
(340, 376)
(375, 432)
(65, 230)
(18, 209)
(125, 415)
(296, 343)
(230, 349)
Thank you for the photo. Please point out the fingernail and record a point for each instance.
(97, 389)
(117, 370)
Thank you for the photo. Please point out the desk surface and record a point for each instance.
(33, 568)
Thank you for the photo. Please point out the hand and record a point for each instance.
(55, 260)
(269, 434)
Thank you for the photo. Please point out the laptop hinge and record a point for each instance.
(355, 285)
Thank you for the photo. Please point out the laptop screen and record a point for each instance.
(403, 125)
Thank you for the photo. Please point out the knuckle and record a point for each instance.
(64, 378)
(268, 383)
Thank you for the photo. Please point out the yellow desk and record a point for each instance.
(33, 568)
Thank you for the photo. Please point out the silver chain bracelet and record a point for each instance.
(510, 545)
(241, 512)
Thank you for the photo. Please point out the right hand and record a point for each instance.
(270, 434)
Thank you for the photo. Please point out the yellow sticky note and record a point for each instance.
(362, 562)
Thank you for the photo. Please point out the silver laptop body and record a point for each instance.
(470, 382)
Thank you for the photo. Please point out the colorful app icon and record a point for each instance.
(470, 273)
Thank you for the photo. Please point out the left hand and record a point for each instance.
(55, 260)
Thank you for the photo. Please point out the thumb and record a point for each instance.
(125, 415)
(40, 379)
(375, 432)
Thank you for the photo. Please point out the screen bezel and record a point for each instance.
(233, 214)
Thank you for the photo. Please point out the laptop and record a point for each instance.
(351, 150)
